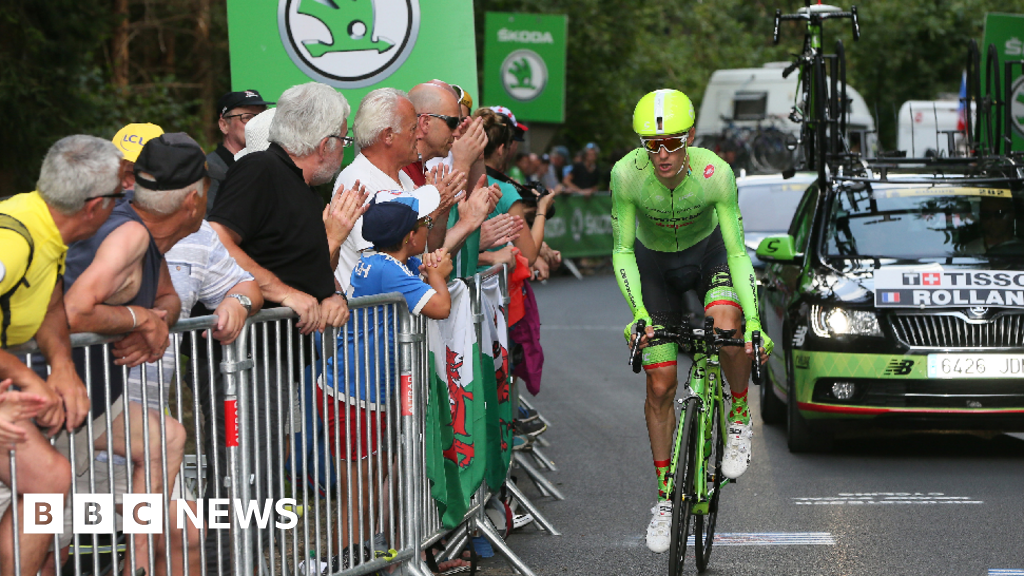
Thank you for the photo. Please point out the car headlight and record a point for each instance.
(828, 322)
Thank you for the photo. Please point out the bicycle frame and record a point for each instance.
(705, 387)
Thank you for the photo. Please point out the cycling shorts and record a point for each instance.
(666, 276)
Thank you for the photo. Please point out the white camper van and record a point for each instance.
(924, 126)
(752, 97)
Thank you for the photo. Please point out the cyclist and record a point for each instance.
(676, 226)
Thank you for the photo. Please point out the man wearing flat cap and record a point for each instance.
(117, 282)
(234, 110)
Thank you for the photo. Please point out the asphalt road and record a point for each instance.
(928, 504)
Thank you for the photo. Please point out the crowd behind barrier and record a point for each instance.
(356, 503)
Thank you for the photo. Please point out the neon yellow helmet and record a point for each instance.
(664, 111)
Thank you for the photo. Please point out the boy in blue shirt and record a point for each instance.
(397, 223)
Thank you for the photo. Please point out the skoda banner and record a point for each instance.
(524, 65)
(353, 45)
(1006, 33)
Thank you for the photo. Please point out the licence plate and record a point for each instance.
(976, 365)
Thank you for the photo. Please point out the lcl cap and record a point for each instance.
(663, 111)
(130, 139)
(170, 162)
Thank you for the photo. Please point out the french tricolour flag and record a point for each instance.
(890, 297)
(961, 122)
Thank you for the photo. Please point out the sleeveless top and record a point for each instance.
(80, 256)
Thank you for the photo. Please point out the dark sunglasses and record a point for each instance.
(671, 144)
(345, 140)
(451, 121)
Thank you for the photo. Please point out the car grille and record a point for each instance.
(955, 330)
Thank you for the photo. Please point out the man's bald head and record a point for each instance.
(434, 97)
(438, 114)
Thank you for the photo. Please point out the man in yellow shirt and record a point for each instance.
(78, 184)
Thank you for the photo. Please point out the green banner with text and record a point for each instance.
(1006, 33)
(353, 45)
(581, 226)
(524, 65)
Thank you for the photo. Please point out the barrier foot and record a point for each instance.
(572, 268)
(529, 406)
(542, 483)
(540, 441)
(542, 460)
(488, 531)
(537, 516)
(456, 542)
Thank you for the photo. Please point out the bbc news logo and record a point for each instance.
(144, 513)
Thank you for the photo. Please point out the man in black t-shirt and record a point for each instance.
(271, 220)
(585, 176)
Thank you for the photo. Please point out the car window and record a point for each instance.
(769, 207)
(934, 222)
(800, 229)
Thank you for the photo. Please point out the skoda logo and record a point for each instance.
(524, 75)
(977, 311)
(348, 43)
(1017, 106)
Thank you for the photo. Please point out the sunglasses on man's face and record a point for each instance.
(451, 121)
(670, 144)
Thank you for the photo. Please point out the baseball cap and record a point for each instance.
(130, 139)
(257, 133)
(591, 146)
(520, 129)
(169, 162)
(235, 99)
(393, 213)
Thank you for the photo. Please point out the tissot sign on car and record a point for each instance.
(524, 63)
(949, 288)
(353, 45)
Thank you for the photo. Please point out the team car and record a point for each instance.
(897, 300)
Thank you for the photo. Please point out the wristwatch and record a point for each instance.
(243, 300)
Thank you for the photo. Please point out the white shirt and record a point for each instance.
(375, 180)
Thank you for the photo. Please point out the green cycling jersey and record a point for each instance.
(673, 220)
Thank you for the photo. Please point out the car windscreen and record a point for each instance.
(926, 222)
(769, 207)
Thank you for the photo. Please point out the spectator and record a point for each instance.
(441, 136)
(545, 174)
(234, 111)
(501, 129)
(385, 132)
(130, 140)
(585, 176)
(520, 168)
(276, 227)
(397, 226)
(118, 283)
(78, 183)
(559, 163)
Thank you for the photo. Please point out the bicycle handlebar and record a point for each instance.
(683, 334)
(816, 18)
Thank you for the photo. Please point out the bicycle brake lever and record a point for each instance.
(756, 371)
(789, 69)
(778, 20)
(634, 355)
(856, 23)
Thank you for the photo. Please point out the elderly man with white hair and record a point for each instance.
(275, 226)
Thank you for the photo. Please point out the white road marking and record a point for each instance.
(1005, 572)
(772, 539)
(884, 498)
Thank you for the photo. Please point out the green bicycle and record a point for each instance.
(695, 471)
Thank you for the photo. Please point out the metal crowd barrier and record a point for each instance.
(246, 422)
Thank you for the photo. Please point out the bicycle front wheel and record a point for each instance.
(683, 492)
(704, 524)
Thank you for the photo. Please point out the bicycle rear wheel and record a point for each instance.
(683, 490)
(704, 524)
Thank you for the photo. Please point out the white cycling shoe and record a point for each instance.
(659, 531)
(737, 450)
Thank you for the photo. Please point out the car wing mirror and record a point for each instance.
(778, 249)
